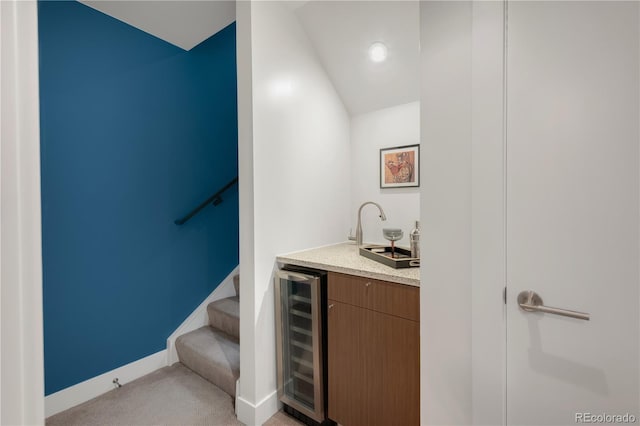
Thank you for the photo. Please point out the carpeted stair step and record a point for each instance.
(224, 314)
(212, 354)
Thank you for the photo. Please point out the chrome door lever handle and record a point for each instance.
(530, 301)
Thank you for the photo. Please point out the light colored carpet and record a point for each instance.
(282, 419)
(213, 355)
(170, 396)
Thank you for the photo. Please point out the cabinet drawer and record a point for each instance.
(381, 296)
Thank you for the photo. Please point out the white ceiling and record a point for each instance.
(341, 33)
(182, 23)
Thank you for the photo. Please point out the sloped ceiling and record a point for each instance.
(182, 23)
(342, 32)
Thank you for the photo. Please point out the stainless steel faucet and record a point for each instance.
(358, 237)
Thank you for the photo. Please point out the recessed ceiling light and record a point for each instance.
(378, 52)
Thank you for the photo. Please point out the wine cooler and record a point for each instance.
(301, 340)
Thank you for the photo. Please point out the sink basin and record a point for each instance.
(382, 254)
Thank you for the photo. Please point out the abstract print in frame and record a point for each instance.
(400, 166)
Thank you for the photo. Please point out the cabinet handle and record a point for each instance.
(331, 306)
(367, 284)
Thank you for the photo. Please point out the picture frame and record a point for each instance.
(400, 166)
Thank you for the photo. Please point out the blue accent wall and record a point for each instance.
(135, 132)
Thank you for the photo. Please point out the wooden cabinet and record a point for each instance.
(373, 352)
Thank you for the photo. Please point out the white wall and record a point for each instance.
(388, 127)
(488, 215)
(246, 389)
(463, 209)
(445, 291)
(298, 193)
(21, 341)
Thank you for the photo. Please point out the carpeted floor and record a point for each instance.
(170, 396)
(281, 419)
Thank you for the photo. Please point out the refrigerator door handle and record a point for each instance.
(295, 276)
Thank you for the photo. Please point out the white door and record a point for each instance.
(572, 161)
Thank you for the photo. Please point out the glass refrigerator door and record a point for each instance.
(298, 335)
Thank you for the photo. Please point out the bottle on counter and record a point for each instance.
(414, 239)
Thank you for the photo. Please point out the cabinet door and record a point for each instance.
(348, 344)
(393, 365)
(381, 296)
(349, 289)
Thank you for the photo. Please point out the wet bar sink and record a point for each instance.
(382, 254)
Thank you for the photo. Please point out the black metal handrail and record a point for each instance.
(215, 199)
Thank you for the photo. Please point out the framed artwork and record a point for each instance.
(400, 166)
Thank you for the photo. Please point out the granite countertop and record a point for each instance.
(345, 258)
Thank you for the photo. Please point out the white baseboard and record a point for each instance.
(199, 317)
(256, 414)
(84, 391)
(236, 396)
